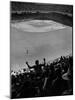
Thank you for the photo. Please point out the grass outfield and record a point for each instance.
(50, 41)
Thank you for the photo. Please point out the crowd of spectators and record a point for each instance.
(44, 79)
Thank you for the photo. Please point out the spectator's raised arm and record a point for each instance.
(28, 65)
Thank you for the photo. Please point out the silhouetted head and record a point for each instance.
(37, 62)
(44, 59)
(26, 62)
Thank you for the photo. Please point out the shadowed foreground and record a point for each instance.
(44, 79)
